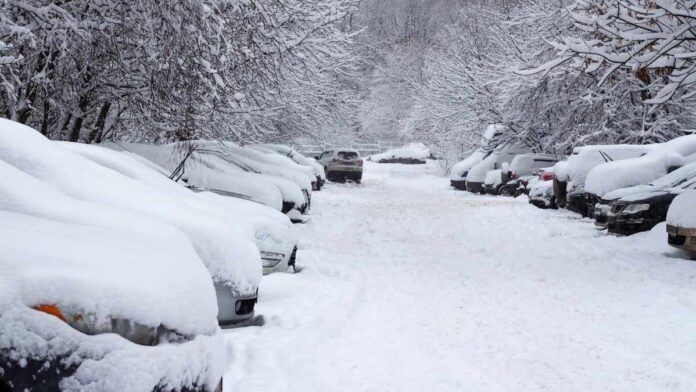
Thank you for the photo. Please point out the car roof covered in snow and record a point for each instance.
(226, 248)
(654, 164)
(586, 158)
(682, 211)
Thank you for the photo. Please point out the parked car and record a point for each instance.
(493, 182)
(616, 174)
(300, 159)
(273, 232)
(671, 180)
(489, 141)
(341, 164)
(586, 158)
(207, 171)
(89, 289)
(225, 247)
(524, 166)
(641, 212)
(681, 222)
(411, 154)
(281, 160)
(541, 194)
(503, 154)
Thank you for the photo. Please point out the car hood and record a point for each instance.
(623, 192)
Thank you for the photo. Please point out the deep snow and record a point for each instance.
(408, 285)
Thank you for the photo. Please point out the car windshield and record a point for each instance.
(348, 155)
(676, 177)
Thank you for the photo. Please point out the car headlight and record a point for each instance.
(89, 324)
(271, 259)
(636, 208)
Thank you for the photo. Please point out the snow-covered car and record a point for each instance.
(410, 154)
(274, 234)
(300, 159)
(477, 175)
(207, 171)
(671, 180)
(681, 222)
(586, 158)
(642, 211)
(522, 167)
(341, 164)
(617, 174)
(96, 297)
(489, 141)
(541, 194)
(254, 161)
(493, 182)
(226, 247)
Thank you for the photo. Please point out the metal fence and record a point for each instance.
(365, 149)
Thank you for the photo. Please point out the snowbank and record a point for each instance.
(641, 170)
(410, 153)
(226, 249)
(682, 211)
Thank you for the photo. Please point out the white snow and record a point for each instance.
(478, 171)
(682, 211)
(586, 158)
(410, 286)
(494, 177)
(226, 248)
(298, 158)
(642, 170)
(415, 151)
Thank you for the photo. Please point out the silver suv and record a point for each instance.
(341, 164)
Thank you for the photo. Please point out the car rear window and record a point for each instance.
(347, 155)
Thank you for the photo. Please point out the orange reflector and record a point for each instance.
(50, 309)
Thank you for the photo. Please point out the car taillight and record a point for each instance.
(50, 309)
(513, 176)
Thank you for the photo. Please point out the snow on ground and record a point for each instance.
(411, 286)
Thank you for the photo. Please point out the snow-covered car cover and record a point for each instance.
(226, 248)
(641, 170)
(413, 152)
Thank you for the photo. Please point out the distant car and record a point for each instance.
(681, 222)
(525, 165)
(341, 164)
(502, 155)
(490, 140)
(673, 179)
(541, 194)
(300, 159)
(493, 182)
(411, 154)
(641, 212)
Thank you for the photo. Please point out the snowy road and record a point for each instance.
(410, 286)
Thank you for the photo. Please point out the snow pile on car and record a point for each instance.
(494, 177)
(206, 171)
(297, 157)
(461, 170)
(628, 172)
(682, 211)
(226, 248)
(410, 153)
(478, 172)
(586, 158)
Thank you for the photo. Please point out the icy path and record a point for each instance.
(410, 286)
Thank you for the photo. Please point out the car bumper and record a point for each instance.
(490, 190)
(342, 176)
(458, 184)
(626, 225)
(474, 187)
(682, 238)
(540, 202)
(233, 309)
(283, 265)
(344, 169)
